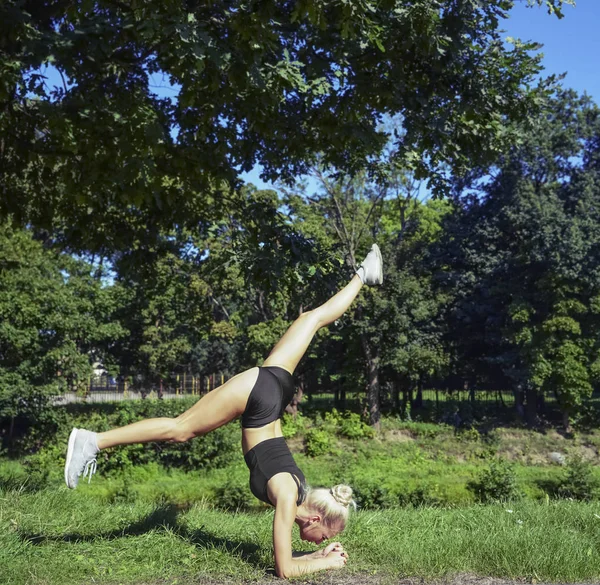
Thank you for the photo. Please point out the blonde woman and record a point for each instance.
(259, 396)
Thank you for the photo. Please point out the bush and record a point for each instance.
(331, 421)
(352, 427)
(370, 494)
(291, 426)
(497, 483)
(468, 435)
(587, 418)
(14, 476)
(318, 442)
(123, 494)
(211, 451)
(347, 424)
(233, 496)
(579, 482)
(422, 496)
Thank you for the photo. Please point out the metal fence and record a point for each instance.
(109, 389)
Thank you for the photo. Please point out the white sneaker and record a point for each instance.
(371, 270)
(81, 456)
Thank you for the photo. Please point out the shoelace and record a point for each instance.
(90, 469)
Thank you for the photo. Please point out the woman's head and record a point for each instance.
(328, 509)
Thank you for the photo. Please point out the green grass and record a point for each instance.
(59, 537)
(146, 524)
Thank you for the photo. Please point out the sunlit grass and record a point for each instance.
(62, 537)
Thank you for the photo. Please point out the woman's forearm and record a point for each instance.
(303, 566)
(306, 556)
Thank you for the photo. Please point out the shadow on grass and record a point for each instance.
(166, 517)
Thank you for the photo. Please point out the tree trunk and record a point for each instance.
(531, 407)
(566, 421)
(396, 397)
(541, 403)
(419, 398)
(519, 403)
(373, 398)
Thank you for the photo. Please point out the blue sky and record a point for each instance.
(571, 45)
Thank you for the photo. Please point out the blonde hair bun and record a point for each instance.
(342, 494)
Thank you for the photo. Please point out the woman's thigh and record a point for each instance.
(220, 406)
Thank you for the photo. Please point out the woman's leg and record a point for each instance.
(294, 343)
(213, 410)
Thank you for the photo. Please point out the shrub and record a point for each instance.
(124, 493)
(579, 482)
(422, 496)
(14, 476)
(468, 435)
(318, 442)
(587, 418)
(497, 483)
(233, 496)
(211, 451)
(352, 427)
(370, 494)
(331, 421)
(291, 426)
(347, 424)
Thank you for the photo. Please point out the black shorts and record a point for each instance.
(273, 391)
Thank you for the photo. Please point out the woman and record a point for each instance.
(259, 396)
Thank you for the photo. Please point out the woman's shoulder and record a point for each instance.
(283, 489)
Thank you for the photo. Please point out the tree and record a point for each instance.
(165, 306)
(522, 256)
(54, 317)
(413, 353)
(100, 155)
(391, 336)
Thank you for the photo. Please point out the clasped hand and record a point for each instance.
(335, 553)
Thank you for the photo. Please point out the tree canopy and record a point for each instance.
(101, 155)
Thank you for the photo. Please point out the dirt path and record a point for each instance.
(367, 579)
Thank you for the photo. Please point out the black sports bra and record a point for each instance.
(267, 459)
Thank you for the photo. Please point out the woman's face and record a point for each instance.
(315, 531)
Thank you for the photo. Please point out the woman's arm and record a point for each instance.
(286, 565)
(323, 552)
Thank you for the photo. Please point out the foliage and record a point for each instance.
(272, 85)
(428, 496)
(497, 483)
(233, 496)
(54, 320)
(214, 450)
(520, 262)
(578, 482)
(318, 442)
(292, 425)
(371, 494)
(347, 424)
